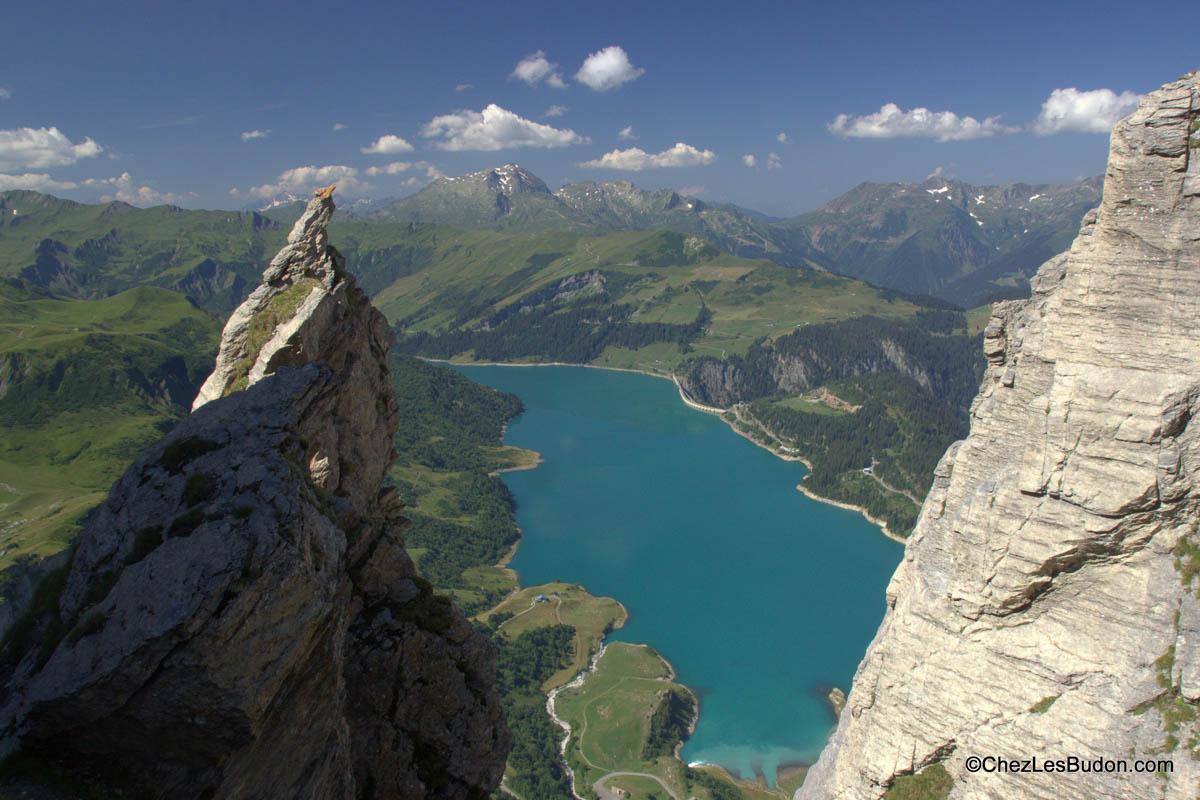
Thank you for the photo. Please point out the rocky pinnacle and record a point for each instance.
(1047, 602)
(240, 618)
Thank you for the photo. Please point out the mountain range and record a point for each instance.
(959, 242)
(86, 251)
(942, 237)
(956, 241)
(514, 199)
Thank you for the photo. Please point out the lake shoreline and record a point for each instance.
(690, 403)
(551, 696)
(810, 494)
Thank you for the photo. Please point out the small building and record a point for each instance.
(541, 598)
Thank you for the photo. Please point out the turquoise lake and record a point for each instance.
(761, 598)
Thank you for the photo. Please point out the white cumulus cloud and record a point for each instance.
(37, 181)
(399, 167)
(607, 69)
(462, 87)
(495, 128)
(248, 136)
(5, 94)
(892, 122)
(535, 68)
(626, 134)
(781, 137)
(42, 147)
(339, 126)
(394, 168)
(124, 188)
(774, 161)
(636, 159)
(388, 144)
(555, 111)
(300, 180)
(1094, 111)
(749, 160)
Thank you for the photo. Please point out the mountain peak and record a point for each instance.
(507, 180)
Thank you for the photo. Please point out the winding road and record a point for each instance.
(604, 793)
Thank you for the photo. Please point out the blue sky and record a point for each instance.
(164, 92)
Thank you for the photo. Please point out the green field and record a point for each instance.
(746, 789)
(609, 715)
(613, 716)
(565, 604)
(809, 406)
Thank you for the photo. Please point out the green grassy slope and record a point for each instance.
(512, 296)
(88, 251)
(84, 385)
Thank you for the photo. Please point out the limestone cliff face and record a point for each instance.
(240, 619)
(1046, 604)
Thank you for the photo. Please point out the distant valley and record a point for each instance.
(745, 310)
(793, 352)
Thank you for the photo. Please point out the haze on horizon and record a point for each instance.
(777, 107)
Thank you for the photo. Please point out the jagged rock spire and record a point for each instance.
(1047, 601)
(304, 272)
(240, 618)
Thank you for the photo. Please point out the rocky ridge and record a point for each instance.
(239, 619)
(1047, 602)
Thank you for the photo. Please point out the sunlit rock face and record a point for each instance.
(1046, 605)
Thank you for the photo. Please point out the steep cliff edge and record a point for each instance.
(1047, 602)
(239, 618)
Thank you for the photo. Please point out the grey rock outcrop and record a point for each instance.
(810, 357)
(1047, 603)
(240, 618)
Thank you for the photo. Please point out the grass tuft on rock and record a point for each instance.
(1043, 705)
(278, 310)
(931, 783)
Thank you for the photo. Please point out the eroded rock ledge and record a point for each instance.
(1047, 602)
(239, 618)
